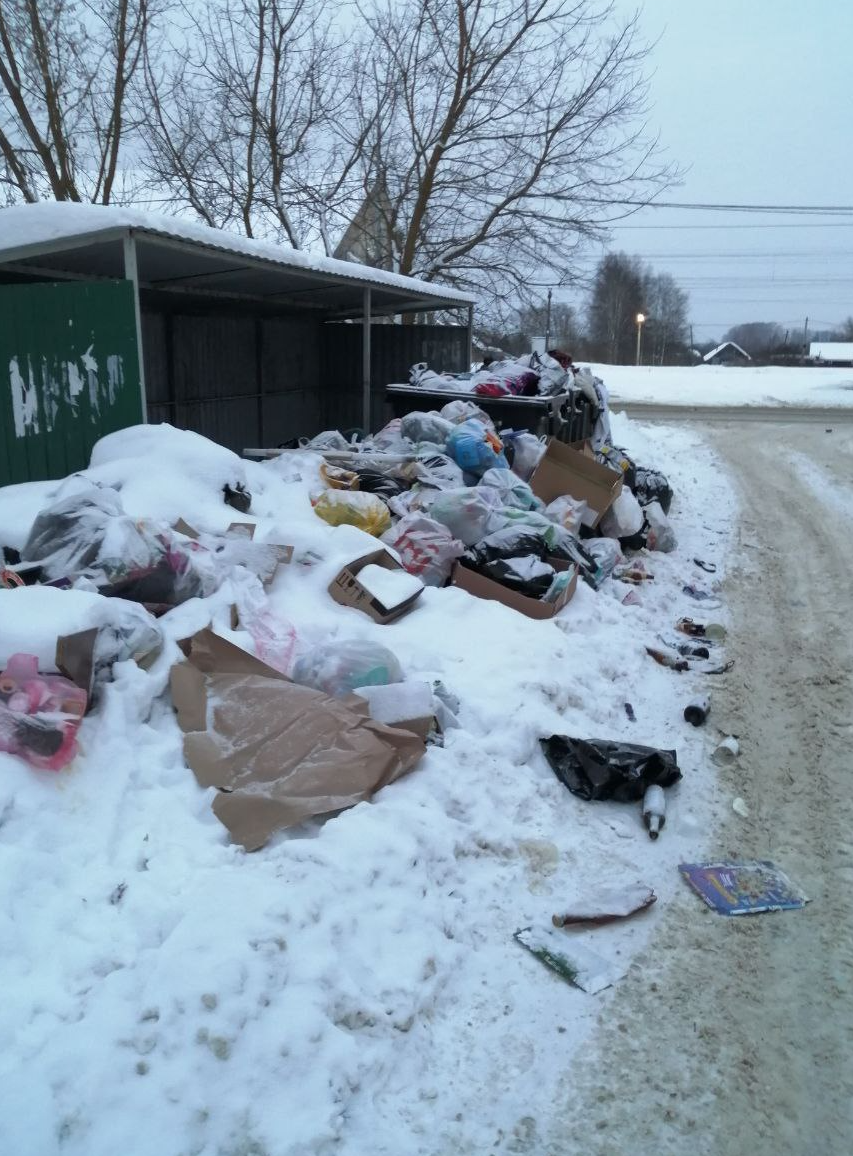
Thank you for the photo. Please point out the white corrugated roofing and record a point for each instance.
(37, 227)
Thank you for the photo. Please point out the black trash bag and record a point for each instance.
(528, 575)
(602, 769)
(563, 544)
(511, 542)
(238, 497)
(372, 482)
(636, 541)
(162, 585)
(652, 486)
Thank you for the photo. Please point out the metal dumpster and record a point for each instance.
(569, 417)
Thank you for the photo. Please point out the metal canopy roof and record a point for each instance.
(182, 258)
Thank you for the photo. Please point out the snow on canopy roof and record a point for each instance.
(725, 345)
(832, 350)
(39, 225)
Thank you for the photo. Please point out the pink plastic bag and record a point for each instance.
(39, 714)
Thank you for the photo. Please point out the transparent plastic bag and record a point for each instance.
(476, 449)
(88, 538)
(330, 439)
(512, 490)
(567, 512)
(426, 548)
(274, 637)
(436, 470)
(527, 452)
(338, 668)
(458, 411)
(39, 714)
(661, 535)
(624, 518)
(426, 427)
(353, 508)
(466, 512)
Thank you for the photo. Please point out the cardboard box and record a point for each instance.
(278, 752)
(482, 587)
(346, 589)
(564, 470)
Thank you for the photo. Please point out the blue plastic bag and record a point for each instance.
(476, 449)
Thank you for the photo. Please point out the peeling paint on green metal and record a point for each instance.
(69, 374)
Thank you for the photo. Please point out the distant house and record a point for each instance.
(831, 352)
(726, 354)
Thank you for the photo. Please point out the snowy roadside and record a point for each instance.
(719, 385)
(354, 986)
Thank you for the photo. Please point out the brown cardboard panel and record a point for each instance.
(278, 752)
(482, 587)
(564, 470)
(346, 589)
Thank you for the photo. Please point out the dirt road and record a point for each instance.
(734, 1037)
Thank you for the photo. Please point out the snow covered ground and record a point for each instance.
(354, 986)
(728, 385)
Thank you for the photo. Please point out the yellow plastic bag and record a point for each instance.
(353, 508)
(337, 478)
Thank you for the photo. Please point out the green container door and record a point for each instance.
(69, 374)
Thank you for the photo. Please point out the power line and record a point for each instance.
(827, 210)
(785, 225)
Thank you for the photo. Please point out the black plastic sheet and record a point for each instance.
(604, 769)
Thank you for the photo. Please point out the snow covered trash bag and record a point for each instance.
(39, 714)
(339, 668)
(88, 536)
(279, 753)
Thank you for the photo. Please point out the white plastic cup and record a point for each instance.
(726, 752)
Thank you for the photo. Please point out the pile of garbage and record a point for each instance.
(449, 500)
(452, 497)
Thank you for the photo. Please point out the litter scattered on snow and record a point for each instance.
(747, 888)
(570, 959)
(195, 954)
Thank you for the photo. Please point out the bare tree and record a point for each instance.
(253, 119)
(665, 338)
(510, 128)
(758, 338)
(617, 296)
(66, 69)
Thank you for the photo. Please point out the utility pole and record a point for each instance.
(548, 323)
(805, 340)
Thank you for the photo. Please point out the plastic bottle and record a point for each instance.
(654, 810)
(697, 710)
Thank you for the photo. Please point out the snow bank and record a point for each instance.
(728, 385)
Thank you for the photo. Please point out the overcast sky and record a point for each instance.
(754, 98)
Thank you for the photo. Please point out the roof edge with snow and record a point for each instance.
(34, 234)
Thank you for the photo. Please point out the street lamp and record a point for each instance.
(641, 317)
